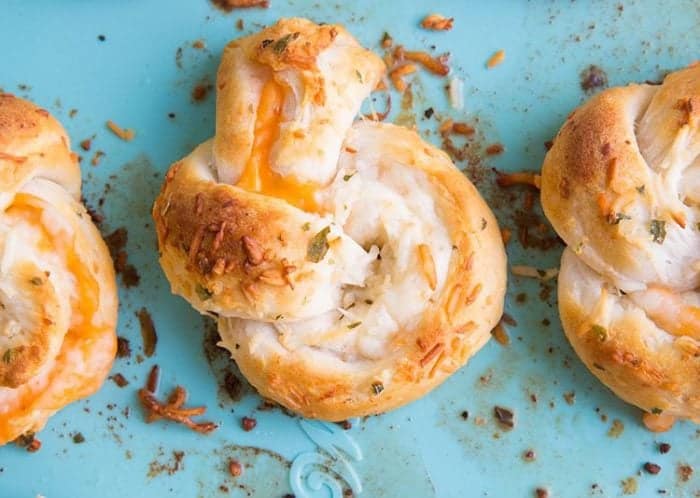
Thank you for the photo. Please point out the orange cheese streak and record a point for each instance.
(257, 175)
(61, 385)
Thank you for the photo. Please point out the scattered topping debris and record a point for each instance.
(593, 78)
(500, 334)
(570, 397)
(437, 22)
(119, 380)
(519, 178)
(116, 243)
(397, 75)
(86, 144)
(652, 468)
(532, 272)
(78, 438)
(529, 455)
(387, 41)
(685, 472)
(664, 448)
(616, 429)
(97, 157)
(29, 442)
(171, 409)
(346, 425)
(658, 422)
(318, 246)
(248, 423)
(504, 417)
(541, 493)
(123, 347)
(464, 415)
(201, 91)
(148, 332)
(629, 486)
(229, 5)
(494, 149)
(235, 468)
(199, 44)
(497, 58)
(436, 65)
(123, 133)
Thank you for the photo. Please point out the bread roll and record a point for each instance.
(621, 186)
(352, 267)
(57, 286)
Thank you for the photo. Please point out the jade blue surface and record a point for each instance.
(146, 68)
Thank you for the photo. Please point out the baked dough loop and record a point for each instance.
(621, 185)
(351, 266)
(58, 301)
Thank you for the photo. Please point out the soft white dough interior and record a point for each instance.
(387, 209)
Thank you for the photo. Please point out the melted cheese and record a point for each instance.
(258, 176)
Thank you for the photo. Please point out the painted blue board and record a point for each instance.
(141, 75)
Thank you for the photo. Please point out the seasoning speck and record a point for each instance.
(664, 448)
(504, 416)
(248, 423)
(593, 78)
(235, 468)
(616, 429)
(78, 438)
(685, 472)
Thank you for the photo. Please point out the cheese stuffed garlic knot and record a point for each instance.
(58, 301)
(621, 185)
(351, 266)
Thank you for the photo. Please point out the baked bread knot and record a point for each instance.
(351, 266)
(621, 185)
(57, 287)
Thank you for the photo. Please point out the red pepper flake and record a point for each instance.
(494, 149)
(119, 380)
(248, 423)
(541, 493)
(148, 332)
(664, 448)
(652, 468)
(235, 468)
(172, 409)
(29, 442)
(529, 455)
(201, 91)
